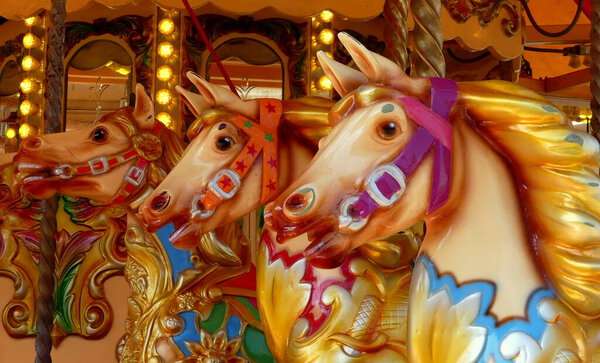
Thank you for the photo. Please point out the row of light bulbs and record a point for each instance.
(323, 39)
(165, 73)
(29, 84)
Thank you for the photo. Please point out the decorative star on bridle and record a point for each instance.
(270, 108)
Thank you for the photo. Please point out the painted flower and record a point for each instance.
(214, 349)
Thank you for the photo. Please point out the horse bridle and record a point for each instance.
(263, 139)
(146, 147)
(386, 184)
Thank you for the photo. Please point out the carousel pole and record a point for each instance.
(396, 14)
(55, 53)
(595, 82)
(427, 58)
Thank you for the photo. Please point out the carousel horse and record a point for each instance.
(509, 269)
(241, 157)
(115, 162)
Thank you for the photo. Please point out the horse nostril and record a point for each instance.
(296, 202)
(160, 202)
(32, 142)
(301, 202)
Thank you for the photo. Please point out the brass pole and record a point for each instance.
(427, 58)
(396, 34)
(55, 53)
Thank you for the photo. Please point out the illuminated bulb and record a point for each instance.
(31, 41)
(28, 108)
(166, 26)
(164, 73)
(32, 20)
(25, 130)
(326, 16)
(28, 85)
(165, 49)
(165, 118)
(11, 133)
(29, 63)
(324, 83)
(163, 96)
(326, 36)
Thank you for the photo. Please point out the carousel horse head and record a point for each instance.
(112, 161)
(374, 122)
(238, 158)
(391, 161)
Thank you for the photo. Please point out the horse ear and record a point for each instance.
(376, 67)
(195, 102)
(343, 78)
(143, 113)
(219, 96)
(380, 69)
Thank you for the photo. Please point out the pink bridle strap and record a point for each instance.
(385, 185)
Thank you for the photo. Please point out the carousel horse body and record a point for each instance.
(352, 313)
(509, 267)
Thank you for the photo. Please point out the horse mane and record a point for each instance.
(305, 117)
(556, 170)
(173, 146)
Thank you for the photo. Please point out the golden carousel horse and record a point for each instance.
(243, 154)
(509, 269)
(114, 163)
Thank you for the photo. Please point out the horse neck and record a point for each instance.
(484, 236)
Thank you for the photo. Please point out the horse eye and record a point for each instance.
(100, 134)
(224, 143)
(388, 130)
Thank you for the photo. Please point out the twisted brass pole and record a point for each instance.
(427, 58)
(396, 33)
(595, 82)
(55, 53)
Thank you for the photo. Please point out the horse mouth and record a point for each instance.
(32, 173)
(186, 235)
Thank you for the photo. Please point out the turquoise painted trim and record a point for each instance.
(534, 326)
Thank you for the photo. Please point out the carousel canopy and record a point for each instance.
(355, 9)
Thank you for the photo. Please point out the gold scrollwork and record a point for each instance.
(486, 11)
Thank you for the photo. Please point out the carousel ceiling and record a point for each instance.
(354, 9)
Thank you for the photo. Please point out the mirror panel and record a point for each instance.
(255, 69)
(99, 80)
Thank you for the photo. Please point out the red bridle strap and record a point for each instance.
(263, 139)
(146, 147)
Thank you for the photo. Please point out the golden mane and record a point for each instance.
(556, 169)
(306, 118)
(173, 146)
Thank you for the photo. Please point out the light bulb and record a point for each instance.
(28, 108)
(11, 133)
(326, 16)
(29, 63)
(166, 26)
(165, 49)
(163, 96)
(326, 36)
(28, 85)
(165, 118)
(31, 41)
(25, 130)
(324, 83)
(164, 73)
(32, 20)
